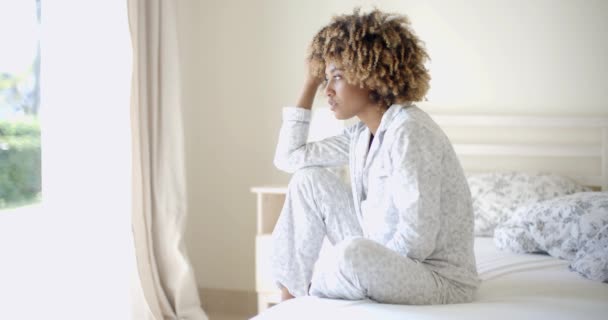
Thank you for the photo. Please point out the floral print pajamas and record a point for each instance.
(402, 232)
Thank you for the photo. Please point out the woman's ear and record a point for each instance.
(374, 96)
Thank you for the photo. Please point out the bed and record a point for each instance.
(515, 285)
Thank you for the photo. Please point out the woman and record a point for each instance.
(403, 232)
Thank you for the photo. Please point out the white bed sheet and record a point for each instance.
(514, 287)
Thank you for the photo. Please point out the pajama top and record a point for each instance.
(409, 190)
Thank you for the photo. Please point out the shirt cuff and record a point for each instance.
(296, 114)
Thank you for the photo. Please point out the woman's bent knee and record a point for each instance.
(314, 178)
(311, 174)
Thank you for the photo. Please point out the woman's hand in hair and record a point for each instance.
(311, 85)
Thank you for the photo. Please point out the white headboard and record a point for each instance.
(573, 146)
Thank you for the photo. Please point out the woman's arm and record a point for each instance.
(307, 96)
(415, 189)
(292, 151)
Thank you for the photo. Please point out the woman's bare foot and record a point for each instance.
(285, 295)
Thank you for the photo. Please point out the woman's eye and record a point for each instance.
(338, 77)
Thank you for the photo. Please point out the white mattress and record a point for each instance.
(514, 287)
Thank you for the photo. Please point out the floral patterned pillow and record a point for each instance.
(572, 227)
(591, 260)
(497, 195)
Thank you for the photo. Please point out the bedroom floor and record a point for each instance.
(224, 316)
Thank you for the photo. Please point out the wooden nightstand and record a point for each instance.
(269, 204)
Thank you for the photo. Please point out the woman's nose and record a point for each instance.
(329, 91)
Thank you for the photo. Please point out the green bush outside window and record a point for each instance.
(19, 162)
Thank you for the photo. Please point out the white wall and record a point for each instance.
(243, 60)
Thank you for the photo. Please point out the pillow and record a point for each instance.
(591, 260)
(497, 195)
(572, 227)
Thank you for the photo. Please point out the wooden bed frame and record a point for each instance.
(594, 148)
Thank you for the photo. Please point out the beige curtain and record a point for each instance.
(167, 288)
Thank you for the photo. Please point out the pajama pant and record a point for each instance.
(318, 205)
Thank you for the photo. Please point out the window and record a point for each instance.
(20, 182)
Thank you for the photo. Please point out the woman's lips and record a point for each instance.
(332, 105)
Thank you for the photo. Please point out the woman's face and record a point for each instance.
(346, 100)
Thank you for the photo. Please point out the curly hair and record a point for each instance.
(378, 51)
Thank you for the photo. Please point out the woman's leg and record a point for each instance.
(362, 269)
(317, 204)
